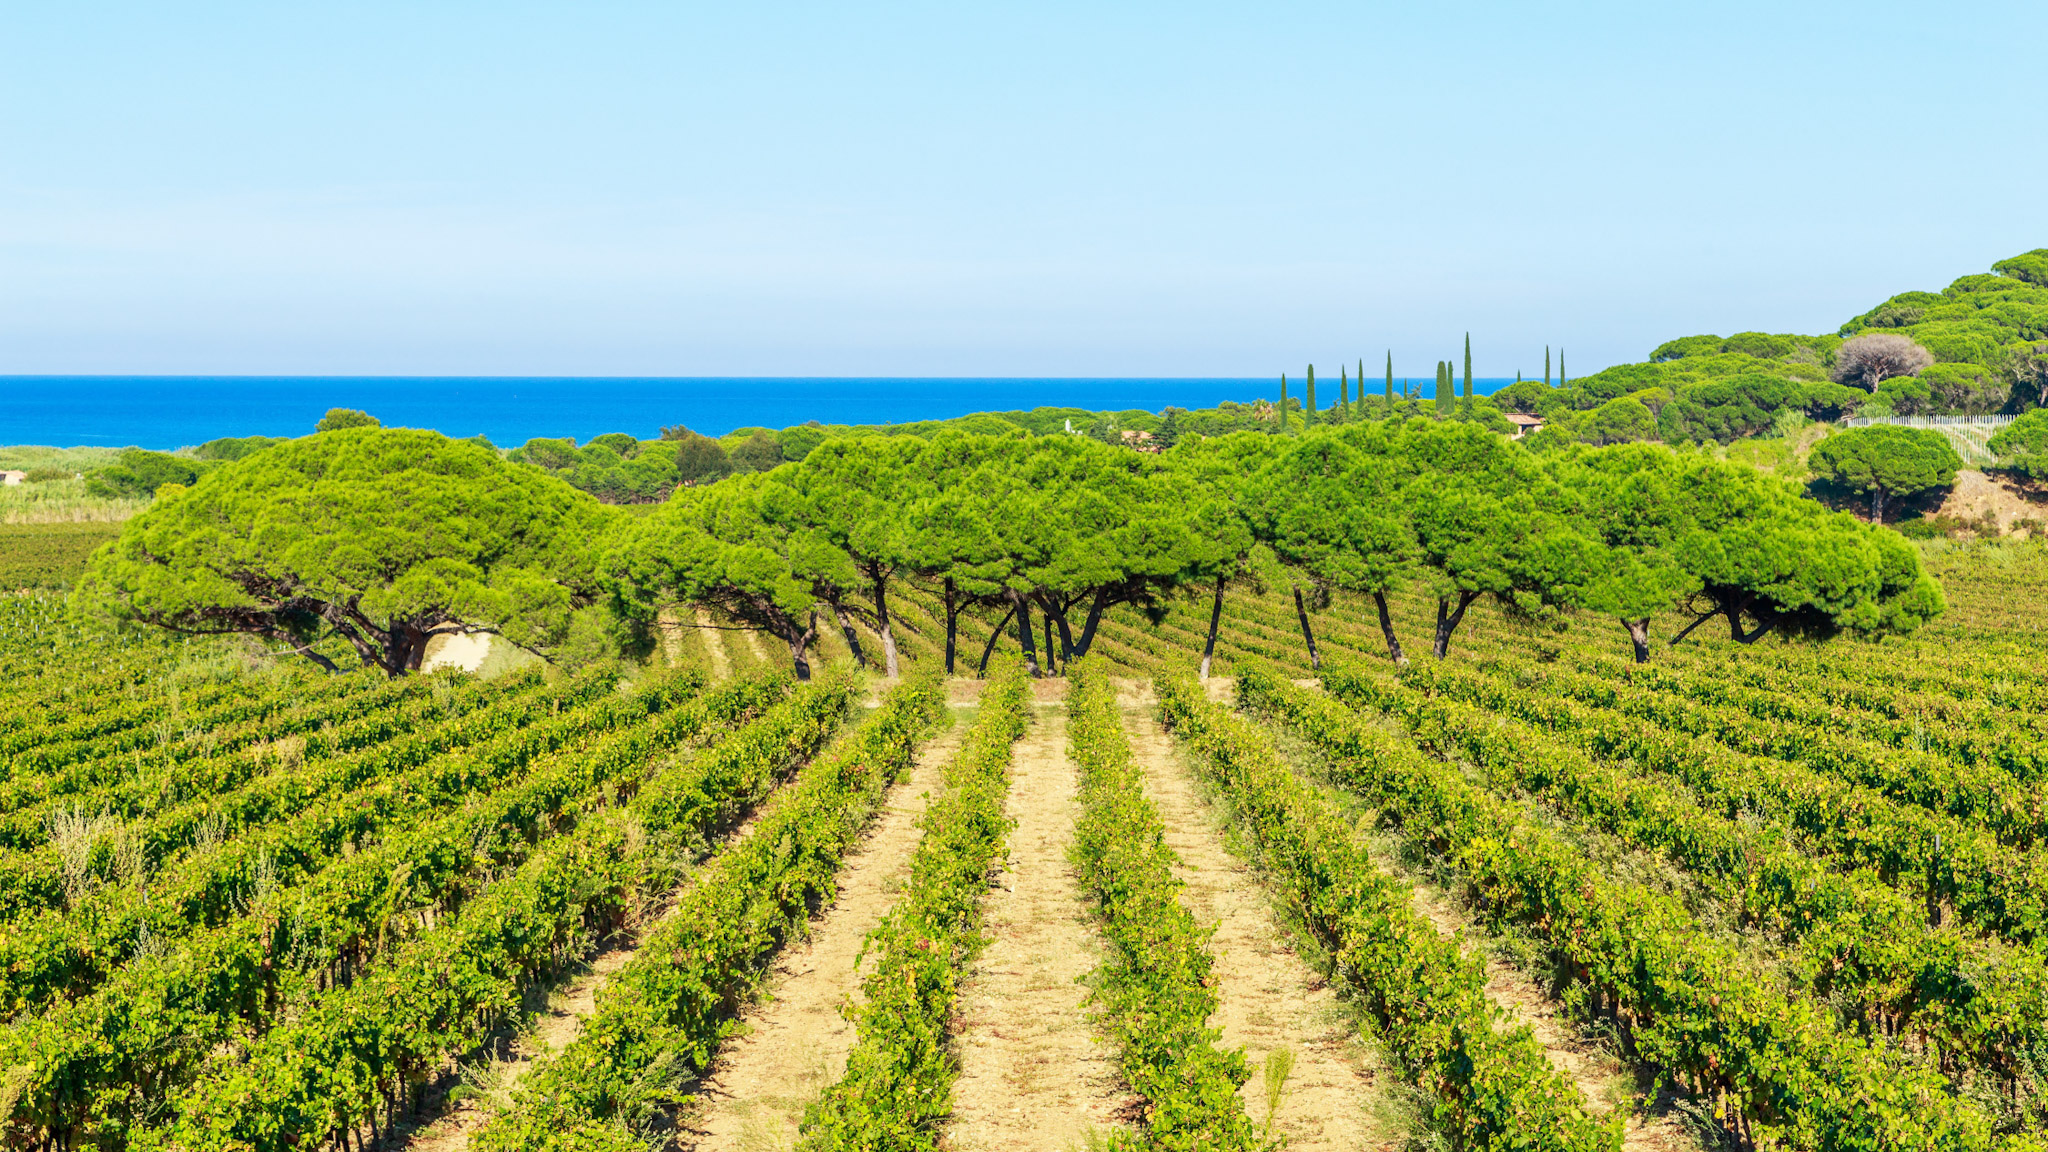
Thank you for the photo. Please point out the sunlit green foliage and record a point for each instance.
(384, 537)
(1886, 460)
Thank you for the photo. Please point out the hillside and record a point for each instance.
(1986, 336)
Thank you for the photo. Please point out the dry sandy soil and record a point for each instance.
(458, 651)
(1976, 493)
(1270, 997)
(797, 1038)
(1032, 1075)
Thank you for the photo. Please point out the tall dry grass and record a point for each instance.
(61, 502)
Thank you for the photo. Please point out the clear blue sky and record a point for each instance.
(988, 189)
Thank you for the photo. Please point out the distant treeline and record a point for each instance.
(1978, 346)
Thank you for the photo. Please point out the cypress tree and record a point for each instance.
(1468, 371)
(1390, 380)
(1518, 375)
(1308, 411)
(1546, 365)
(1560, 366)
(1443, 387)
(1283, 402)
(1344, 389)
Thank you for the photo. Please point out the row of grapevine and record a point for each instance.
(1155, 991)
(111, 1056)
(1944, 860)
(662, 1016)
(1684, 1003)
(1964, 668)
(1854, 679)
(1864, 947)
(2016, 813)
(344, 1060)
(61, 739)
(2001, 744)
(314, 818)
(899, 1076)
(46, 655)
(1493, 1086)
(125, 780)
(199, 801)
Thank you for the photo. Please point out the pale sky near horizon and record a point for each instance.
(988, 189)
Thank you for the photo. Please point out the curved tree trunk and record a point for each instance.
(1687, 630)
(1379, 600)
(950, 598)
(1315, 658)
(1050, 668)
(1639, 634)
(886, 631)
(1088, 627)
(1215, 619)
(1055, 615)
(1448, 619)
(1024, 640)
(1877, 504)
(981, 669)
(852, 638)
(799, 647)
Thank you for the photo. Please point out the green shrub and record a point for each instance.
(1886, 460)
(1685, 346)
(235, 447)
(1620, 420)
(2022, 446)
(757, 453)
(1971, 389)
(626, 446)
(339, 418)
(2031, 267)
(553, 455)
(140, 472)
(1761, 345)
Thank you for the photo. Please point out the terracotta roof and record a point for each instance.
(1531, 421)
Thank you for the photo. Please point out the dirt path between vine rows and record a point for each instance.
(796, 1040)
(571, 1006)
(714, 647)
(1600, 1078)
(1270, 998)
(1031, 1073)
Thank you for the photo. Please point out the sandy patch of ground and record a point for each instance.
(714, 647)
(457, 650)
(1031, 1073)
(1977, 494)
(1270, 998)
(796, 1038)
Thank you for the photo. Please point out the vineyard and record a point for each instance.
(1532, 896)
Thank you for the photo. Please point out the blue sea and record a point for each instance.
(166, 412)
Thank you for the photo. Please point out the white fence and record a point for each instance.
(1927, 421)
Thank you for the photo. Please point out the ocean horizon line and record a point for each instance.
(168, 411)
